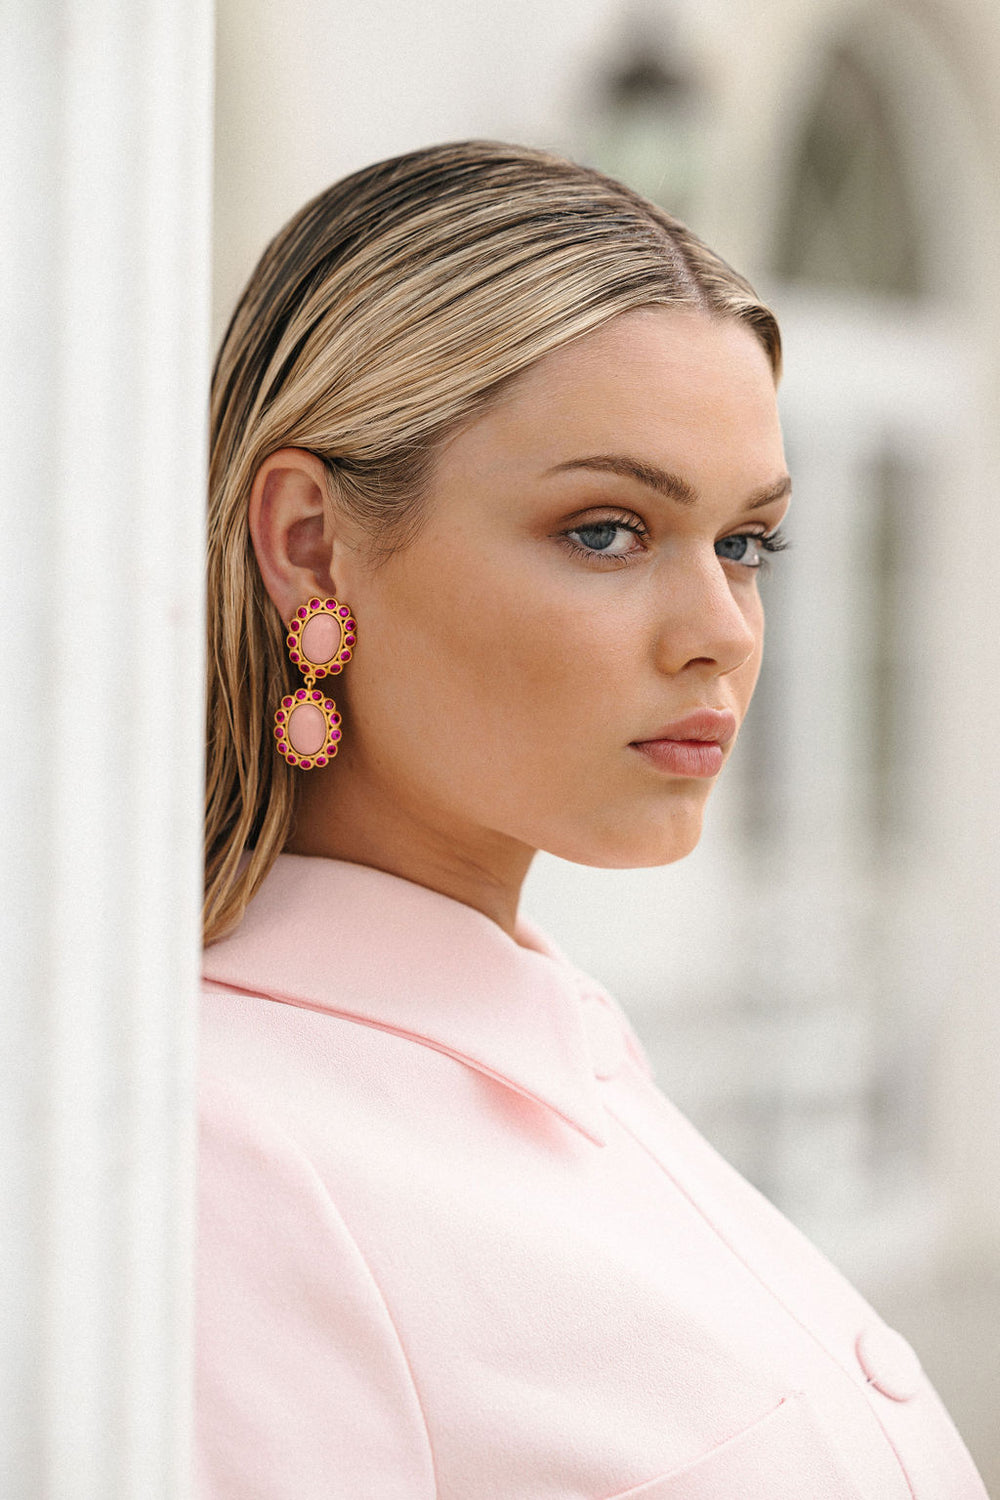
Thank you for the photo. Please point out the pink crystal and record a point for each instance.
(307, 729)
(302, 613)
(343, 612)
(321, 639)
(301, 693)
(314, 603)
(287, 702)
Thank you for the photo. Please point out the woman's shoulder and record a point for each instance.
(296, 1348)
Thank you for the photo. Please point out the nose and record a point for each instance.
(705, 619)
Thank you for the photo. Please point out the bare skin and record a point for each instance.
(548, 618)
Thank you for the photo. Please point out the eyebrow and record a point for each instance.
(662, 480)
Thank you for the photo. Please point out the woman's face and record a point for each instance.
(585, 580)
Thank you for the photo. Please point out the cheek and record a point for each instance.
(743, 681)
(534, 664)
(755, 619)
(485, 666)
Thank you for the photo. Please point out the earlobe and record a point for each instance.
(289, 527)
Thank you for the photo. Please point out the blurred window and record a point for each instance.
(848, 222)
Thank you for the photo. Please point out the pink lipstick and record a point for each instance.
(693, 745)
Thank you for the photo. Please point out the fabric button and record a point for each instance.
(605, 1040)
(889, 1362)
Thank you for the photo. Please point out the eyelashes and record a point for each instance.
(775, 541)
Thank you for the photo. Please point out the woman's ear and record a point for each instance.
(290, 525)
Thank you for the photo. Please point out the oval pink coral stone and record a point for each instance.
(321, 638)
(307, 729)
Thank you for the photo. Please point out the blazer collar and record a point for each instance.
(382, 950)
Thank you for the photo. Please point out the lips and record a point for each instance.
(692, 745)
(704, 724)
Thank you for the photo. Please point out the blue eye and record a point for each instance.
(739, 549)
(605, 538)
(748, 549)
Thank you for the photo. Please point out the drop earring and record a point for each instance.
(321, 639)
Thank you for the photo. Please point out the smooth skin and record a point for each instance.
(548, 615)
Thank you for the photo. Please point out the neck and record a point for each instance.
(341, 814)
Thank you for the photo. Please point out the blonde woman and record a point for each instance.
(496, 463)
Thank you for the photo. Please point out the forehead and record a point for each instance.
(672, 386)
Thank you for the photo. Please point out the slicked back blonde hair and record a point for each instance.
(384, 316)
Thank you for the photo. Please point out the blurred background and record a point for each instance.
(818, 985)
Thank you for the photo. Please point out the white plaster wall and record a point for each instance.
(309, 90)
(105, 137)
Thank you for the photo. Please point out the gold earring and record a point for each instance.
(321, 639)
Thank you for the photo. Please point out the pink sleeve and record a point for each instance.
(303, 1387)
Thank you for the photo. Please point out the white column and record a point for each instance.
(105, 137)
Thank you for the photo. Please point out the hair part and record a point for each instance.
(389, 312)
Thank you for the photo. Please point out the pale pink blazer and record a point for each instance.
(455, 1243)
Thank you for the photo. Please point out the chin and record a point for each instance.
(643, 844)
